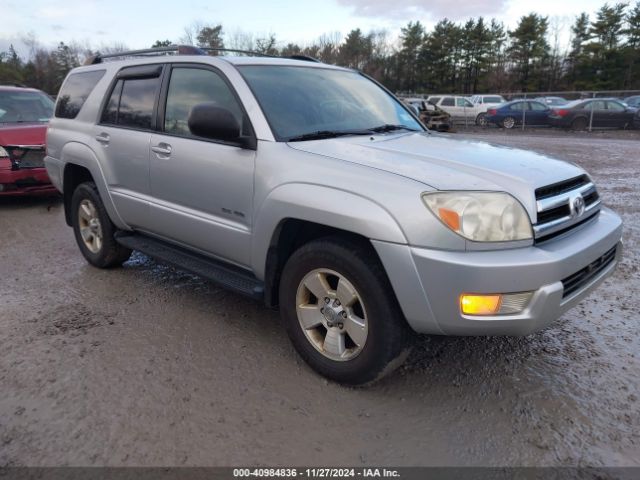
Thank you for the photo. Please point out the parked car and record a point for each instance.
(431, 115)
(484, 103)
(633, 101)
(460, 108)
(599, 112)
(312, 188)
(510, 114)
(552, 101)
(24, 113)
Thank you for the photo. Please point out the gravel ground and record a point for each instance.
(147, 365)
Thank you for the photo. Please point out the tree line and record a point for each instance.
(478, 55)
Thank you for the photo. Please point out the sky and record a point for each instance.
(139, 23)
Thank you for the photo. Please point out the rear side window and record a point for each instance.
(518, 106)
(448, 102)
(434, 99)
(131, 103)
(75, 91)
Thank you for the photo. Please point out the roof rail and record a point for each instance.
(186, 50)
(170, 50)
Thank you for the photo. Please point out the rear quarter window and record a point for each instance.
(74, 92)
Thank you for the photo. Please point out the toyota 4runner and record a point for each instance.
(312, 188)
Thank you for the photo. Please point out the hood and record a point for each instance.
(448, 163)
(22, 133)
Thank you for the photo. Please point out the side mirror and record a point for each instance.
(208, 120)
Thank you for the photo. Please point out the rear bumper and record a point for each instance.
(428, 283)
(28, 181)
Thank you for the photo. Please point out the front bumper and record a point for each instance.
(428, 283)
(27, 181)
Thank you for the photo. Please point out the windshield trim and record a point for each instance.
(280, 138)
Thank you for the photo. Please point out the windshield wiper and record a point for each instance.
(320, 134)
(388, 127)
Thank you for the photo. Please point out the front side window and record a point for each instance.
(463, 102)
(18, 106)
(304, 100)
(75, 91)
(192, 86)
(131, 103)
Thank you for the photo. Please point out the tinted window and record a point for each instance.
(191, 86)
(136, 102)
(110, 114)
(434, 99)
(75, 91)
(448, 102)
(618, 107)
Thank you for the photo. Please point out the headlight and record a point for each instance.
(481, 216)
(3, 152)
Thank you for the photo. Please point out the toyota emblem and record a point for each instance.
(577, 206)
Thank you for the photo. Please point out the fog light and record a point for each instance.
(480, 304)
(495, 304)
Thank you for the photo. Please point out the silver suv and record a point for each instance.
(312, 188)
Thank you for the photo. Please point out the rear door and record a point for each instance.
(202, 190)
(600, 113)
(123, 135)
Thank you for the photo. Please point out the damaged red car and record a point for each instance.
(24, 113)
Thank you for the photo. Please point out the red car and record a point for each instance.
(24, 113)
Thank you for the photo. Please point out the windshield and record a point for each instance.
(24, 106)
(299, 101)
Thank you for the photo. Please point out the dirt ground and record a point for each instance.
(147, 365)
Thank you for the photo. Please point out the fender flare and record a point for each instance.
(323, 205)
(76, 153)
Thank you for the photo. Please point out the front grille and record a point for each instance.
(26, 156)
(578, 280)
(557, 210)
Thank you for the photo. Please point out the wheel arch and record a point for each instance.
(297, 213)
(80, 165)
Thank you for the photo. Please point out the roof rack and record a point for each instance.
(182, 50)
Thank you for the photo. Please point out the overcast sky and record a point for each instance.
(138, 23)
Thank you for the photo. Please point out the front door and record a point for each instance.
(202, 190)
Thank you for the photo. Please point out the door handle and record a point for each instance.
(162, 149)
(103, 138)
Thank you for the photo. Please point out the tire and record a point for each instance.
(579, 124)
(94, 230)
(375, 335)
(509, 122)
(481, 120)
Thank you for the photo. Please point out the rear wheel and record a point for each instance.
(341, 313)
(579, 124)
(481, 120)
(509, 122)
(94, 230)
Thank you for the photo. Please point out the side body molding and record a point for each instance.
(323, 205)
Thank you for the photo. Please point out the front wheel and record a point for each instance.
(341, 313)
(94, 230)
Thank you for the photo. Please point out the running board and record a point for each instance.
(226, 275)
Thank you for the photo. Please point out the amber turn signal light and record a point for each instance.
(480, 304)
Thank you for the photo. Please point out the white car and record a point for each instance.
(464, 109)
